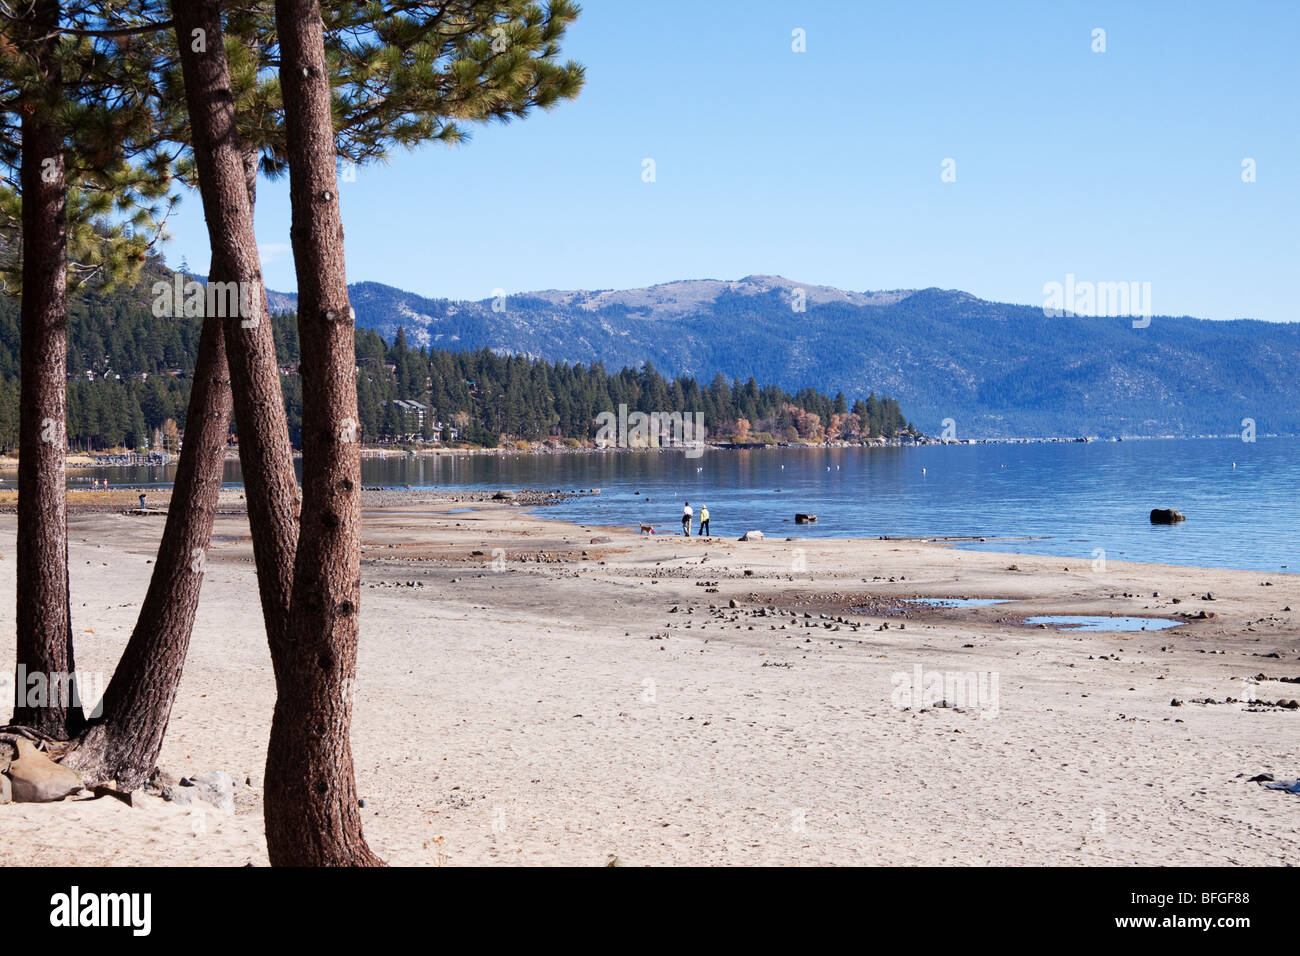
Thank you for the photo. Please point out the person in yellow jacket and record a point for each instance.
(704, 522)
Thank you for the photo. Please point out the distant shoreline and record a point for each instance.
(86, 461)
(925, 442)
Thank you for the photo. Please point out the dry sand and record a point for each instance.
(559, 712)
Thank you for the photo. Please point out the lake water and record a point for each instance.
(1068, 499)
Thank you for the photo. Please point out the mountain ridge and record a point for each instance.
(995, 369)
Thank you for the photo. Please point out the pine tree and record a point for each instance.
(78, 126)
(311, 802)
(226, 184)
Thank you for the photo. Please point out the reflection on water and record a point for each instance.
(1093, 622)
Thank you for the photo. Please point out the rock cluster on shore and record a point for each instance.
(29, 775)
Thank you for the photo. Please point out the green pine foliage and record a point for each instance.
(129, 372)
(403, 73)
(521, 398)
(119, 168)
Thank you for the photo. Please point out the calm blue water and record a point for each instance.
(1073, 497)
(1068, 498)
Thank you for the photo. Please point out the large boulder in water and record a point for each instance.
(1166, 516)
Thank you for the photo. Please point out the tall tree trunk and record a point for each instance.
(123, 743)
(265, 455)
(227, 183)
(310, 799)
(44, 638)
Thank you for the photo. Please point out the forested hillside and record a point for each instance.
(129, 378)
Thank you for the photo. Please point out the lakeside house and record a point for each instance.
(418, 409)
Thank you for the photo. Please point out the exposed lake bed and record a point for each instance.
(673, 700)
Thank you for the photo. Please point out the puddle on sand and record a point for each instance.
(1086, 622)
(908, 606)
(957, 602)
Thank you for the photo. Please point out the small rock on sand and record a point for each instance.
(215, 787)
(752, 536)
(181, 796)
(35, 778)
(160, 780)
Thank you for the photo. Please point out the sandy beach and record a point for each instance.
(529, 695)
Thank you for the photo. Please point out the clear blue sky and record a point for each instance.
(825, 166)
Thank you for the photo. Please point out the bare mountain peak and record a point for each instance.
(688, 295)
(663, 300)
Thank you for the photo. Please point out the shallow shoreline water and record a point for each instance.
(1073, 500)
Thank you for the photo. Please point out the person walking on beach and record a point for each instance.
(704, 522)
(686, 519)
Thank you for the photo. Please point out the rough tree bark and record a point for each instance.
(310, 798)
(123, 743)
(227, 184)
(44, 626)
